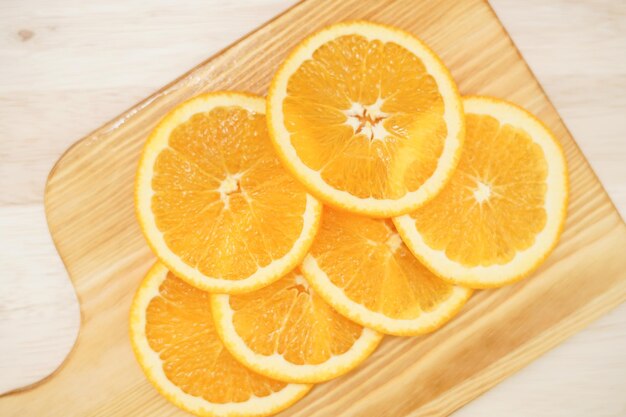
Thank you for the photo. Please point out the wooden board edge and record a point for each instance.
(130, 111)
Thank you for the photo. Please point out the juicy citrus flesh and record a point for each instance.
(363, 268)
(365, 116)
(180, 328)
(289, 319)
(494, 204)
(214, 201)
(177, 324)
(507, 197)
(375, 106)
(216, 189)
(287, 331)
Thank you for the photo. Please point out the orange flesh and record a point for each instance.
(368, 261)
(493, 206)
(179, 327)
(289, 319)
(359, 146)
(221, 198)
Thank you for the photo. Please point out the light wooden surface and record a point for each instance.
(45, 110)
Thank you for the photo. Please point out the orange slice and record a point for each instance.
(504, 209)
(213, 200)
(367, 117)
(287, 332)
(361, 267)
(175, 342)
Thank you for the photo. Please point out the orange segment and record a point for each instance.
(176, 343)
(504, 207)
(367, 118)
(214, 201)
(363, 269)
(297, 324)
(179, 327)
(286, 331)
(368, 74)
(205, 184)
(500, 190)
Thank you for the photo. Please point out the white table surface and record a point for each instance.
(68, 66)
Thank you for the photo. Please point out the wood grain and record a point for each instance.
(89, 206)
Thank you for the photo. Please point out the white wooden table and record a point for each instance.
(68, 66)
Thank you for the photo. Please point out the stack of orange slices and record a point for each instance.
(364, 196)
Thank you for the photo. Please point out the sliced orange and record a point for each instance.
(287, 332)
(367, 117)
(362, 268)
(504, 209)
(176, 344)
(213, 200)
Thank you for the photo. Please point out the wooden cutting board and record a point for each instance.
(89, 203)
